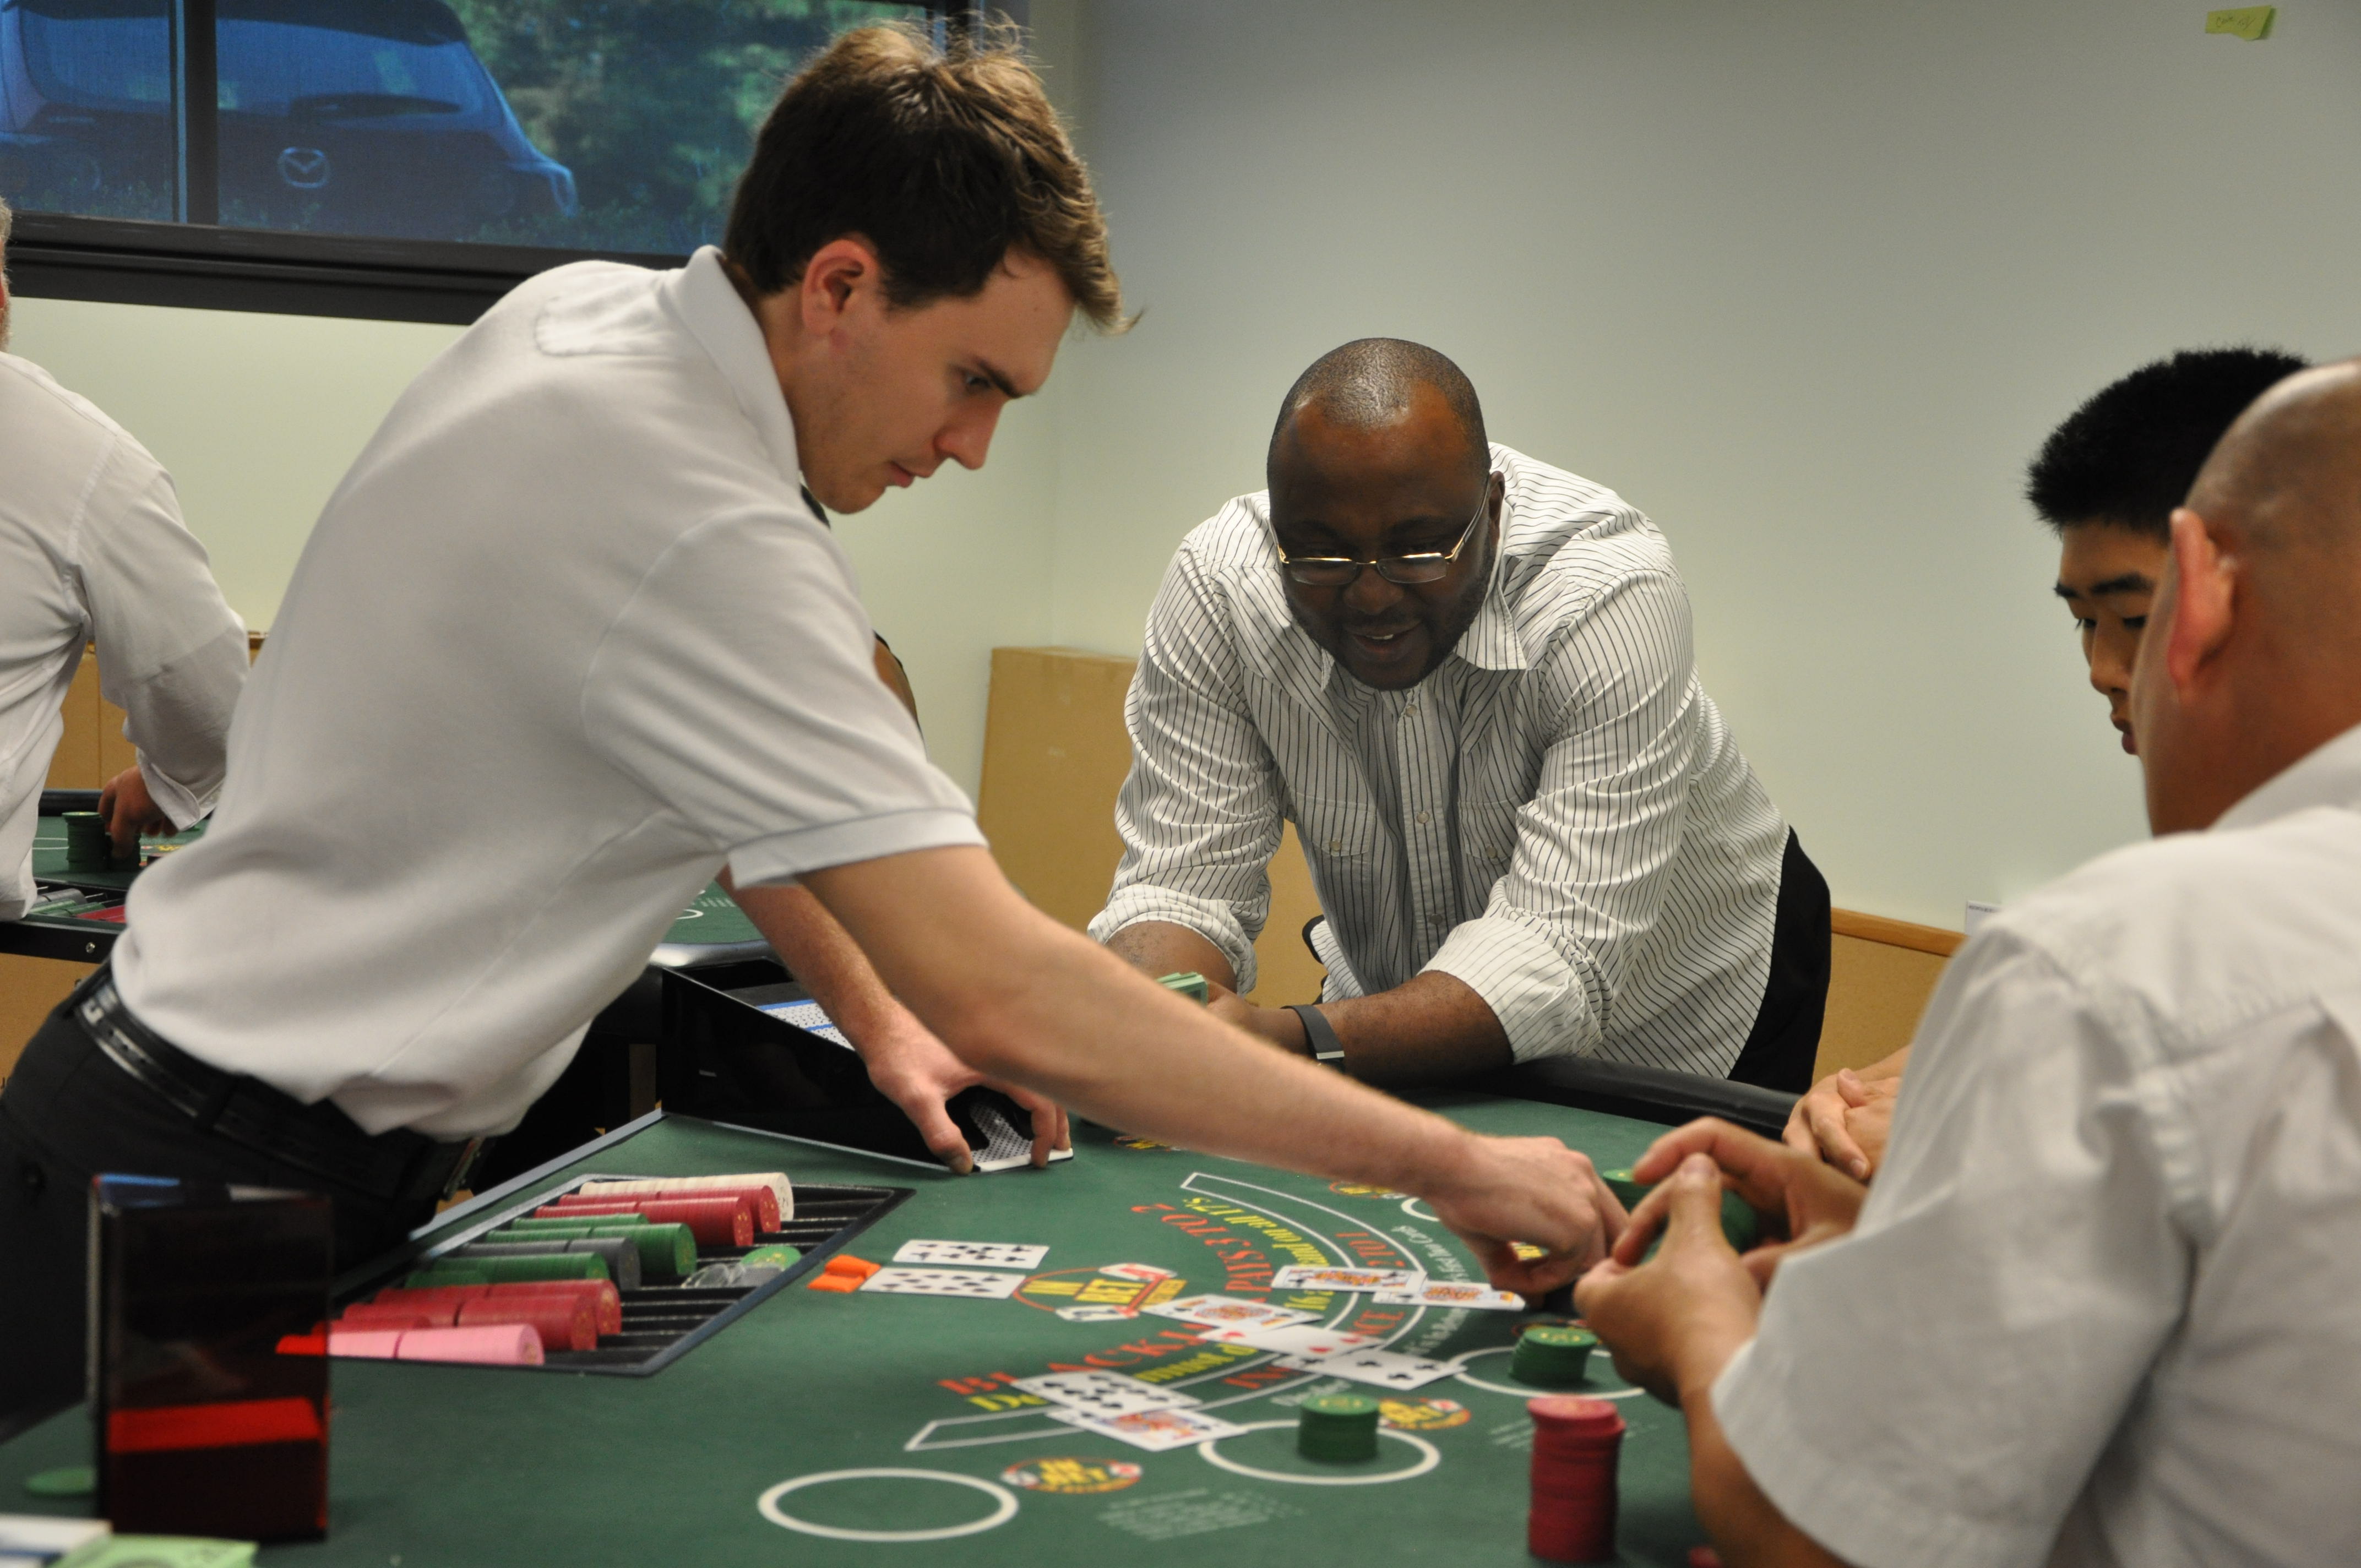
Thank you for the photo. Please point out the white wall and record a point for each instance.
(258, 416)
(1806, 281)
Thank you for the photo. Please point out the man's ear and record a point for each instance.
(837, 274)
(2205, 604)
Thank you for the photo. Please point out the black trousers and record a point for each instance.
(69, 1114)
(1786, 1038)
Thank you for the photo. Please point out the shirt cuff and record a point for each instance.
(1537, 996)
(1209, 918)
(183, 804)
(782, 856)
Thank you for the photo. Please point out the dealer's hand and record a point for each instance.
(1844, 1120)
(919, 1073)
(1805, 1200)
(1535, 1191)
(1675, 1321)
(128, 811)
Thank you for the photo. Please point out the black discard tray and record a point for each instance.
(661, 1322)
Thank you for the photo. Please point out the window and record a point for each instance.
(402, 157)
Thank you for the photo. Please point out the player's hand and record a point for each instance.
(1535, 1191)
(128, 811)
(1844, 1120)
(919, 1073)
(1807, 1200)
(1277, 1026)
(1675, 1321)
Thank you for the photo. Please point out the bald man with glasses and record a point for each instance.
(1467, 678)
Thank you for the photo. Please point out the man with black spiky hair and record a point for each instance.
(2105, 482)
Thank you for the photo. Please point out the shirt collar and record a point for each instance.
(2328, 775)
(715, 314)
(1491, 641)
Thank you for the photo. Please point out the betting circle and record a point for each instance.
(1429, 1457)
(1001, 1513)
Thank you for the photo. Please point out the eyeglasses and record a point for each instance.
(1343, 571)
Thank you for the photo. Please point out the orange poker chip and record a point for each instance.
(832, 1282)
(846, 1265)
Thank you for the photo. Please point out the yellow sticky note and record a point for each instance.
(2252, 23)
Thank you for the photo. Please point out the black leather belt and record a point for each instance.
(398, 1166)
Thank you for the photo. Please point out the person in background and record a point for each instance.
(2105, 482)
(93, 550)
(1468, 678)
(2097, 1309)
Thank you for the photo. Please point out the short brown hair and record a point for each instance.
(942, 159)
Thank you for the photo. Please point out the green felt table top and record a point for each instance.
(455, 1468)
(714, 919)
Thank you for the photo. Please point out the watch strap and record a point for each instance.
(1325, 1046)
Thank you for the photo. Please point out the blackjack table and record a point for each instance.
(810, 1425)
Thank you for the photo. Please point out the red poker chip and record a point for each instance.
(1574, 1415)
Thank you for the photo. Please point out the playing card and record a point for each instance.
(1227, 1311)
(1383, 1368)
(1154, 1430)
(1454, 1293)
(1146, 1273)
(1305, 1277)
(1096, 1314)
(1309, 1340)
(975, 1284)
(1104, 1393)
(972, 1255)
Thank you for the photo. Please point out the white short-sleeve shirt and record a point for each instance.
(92, 547)
(2103, 1305)
(564, 642)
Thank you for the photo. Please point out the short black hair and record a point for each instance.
(943, 158)
(1370, 380)
(2129, 456)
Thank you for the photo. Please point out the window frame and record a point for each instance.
(204, 265)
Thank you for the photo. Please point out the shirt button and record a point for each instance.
(1334, 844)
(1409, 710)
(1424, 816)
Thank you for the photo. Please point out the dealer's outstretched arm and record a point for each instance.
(1021, 998)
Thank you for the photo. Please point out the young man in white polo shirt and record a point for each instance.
(567, 642)
(2098, 1308)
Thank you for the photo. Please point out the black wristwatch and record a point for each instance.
(1325, 1046)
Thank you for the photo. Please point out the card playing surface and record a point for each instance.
(1104, 1393)
(1381, 1368)
(1454, 1293)
(1305, 1277)
(1154, 1430)
(1310, 1340)
(975, 1284)
(1226, 1312)
(972, 1255)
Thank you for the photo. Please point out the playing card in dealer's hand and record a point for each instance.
(1154, 1430)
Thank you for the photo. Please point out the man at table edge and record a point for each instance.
(2094, 1311)
(2105, 482)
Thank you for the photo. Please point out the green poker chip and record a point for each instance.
(1337, 1428)
(1552, 1356)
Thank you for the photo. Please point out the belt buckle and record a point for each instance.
(462, 1168)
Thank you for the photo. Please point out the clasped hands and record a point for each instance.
(1675, 1320)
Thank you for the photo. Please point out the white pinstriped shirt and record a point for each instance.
(1556, 816)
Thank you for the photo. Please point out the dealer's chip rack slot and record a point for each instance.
(663, 1322)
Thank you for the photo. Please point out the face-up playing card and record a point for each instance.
(1096, 1314)
(1381, 1368)
(1227, 1311)
(1305, 1277)
(1104, 1393)
(1154, 1430)
(1454, 1293)
(1310, 1340)
(975, 1284)
(1146, 1273)
(972, 1255)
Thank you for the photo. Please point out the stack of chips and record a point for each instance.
(1552, 1356)
(1339, 1429)
(1575, 1447)
(87, 845)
